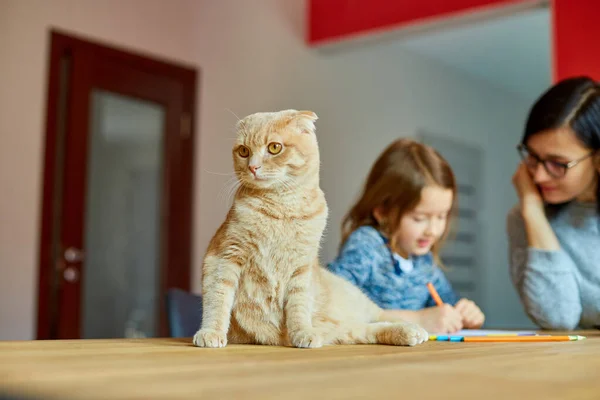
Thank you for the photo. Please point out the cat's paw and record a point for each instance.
(408, 334)
(210, 338)
(306, 338)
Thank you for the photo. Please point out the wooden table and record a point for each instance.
(174, 369)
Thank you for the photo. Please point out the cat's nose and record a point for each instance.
(253, 168)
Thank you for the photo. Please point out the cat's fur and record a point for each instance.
(262, 282)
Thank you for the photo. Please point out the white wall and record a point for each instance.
(253, 58)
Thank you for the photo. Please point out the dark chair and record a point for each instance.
(184, 313)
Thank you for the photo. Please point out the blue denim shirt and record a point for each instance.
(367, 262)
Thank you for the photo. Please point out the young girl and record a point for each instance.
(392, 236)
(554, 232)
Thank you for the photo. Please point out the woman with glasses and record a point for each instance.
(554, 232)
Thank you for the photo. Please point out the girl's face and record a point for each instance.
(559, 147)
(426, 223)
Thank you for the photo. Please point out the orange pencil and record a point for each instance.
(522, 338)
(435, 295)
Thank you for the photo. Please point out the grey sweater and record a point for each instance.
(559, 289)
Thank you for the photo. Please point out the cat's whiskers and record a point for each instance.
(285, 189)
(287, 185)
(230, 185)
(233, 190)
(234, 114)
(227, 183)
(219, 173)
(222, 196)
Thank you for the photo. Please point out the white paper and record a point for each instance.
(484, 332)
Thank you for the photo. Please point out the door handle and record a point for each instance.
(71, 275)
(74, 255)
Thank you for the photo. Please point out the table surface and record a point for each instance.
(175, 369)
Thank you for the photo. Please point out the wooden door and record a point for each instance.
(117, 196)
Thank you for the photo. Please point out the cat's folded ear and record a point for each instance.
(306, 121)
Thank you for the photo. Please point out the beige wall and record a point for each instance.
(153, 26)
(253, 58)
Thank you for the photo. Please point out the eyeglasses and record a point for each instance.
(554, 168)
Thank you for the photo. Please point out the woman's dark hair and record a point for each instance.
(573, 103)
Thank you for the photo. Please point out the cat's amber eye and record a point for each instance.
(243, 151)
(274, 148)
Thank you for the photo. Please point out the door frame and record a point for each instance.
(178, 175)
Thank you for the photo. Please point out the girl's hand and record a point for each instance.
(472, 316)
(442, 319)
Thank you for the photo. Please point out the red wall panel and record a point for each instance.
(576, 38)
(333, 20)
(575, 29)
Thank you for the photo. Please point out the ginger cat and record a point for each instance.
(262, 282)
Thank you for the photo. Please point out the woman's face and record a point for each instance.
(561, 146)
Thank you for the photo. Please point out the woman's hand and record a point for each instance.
(529, 195)
(539, 232)
(472, 316)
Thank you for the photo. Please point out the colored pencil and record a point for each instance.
(514, 334)
(491, 339)
(459, 337)
(434, 294)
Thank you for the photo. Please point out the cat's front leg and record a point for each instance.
(219, 284)
(298, 308)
